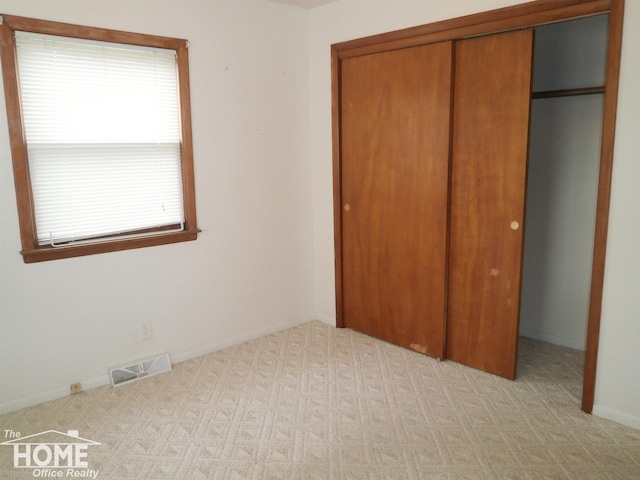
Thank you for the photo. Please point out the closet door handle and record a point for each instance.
(515, 225)
(347, 207)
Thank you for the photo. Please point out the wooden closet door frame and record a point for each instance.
(510, 18)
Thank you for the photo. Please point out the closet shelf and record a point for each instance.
(568, 92)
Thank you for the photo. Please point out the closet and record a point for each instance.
(430, 145)
(564, 158)
(434, 152)
(488, 169)
(412, 120)
(395, 146)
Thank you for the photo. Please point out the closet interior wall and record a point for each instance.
(564, 157)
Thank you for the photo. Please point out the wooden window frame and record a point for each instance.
(31, 251)
(525, 15)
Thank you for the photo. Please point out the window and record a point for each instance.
(100, 129)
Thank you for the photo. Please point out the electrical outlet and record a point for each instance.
(75, 388)
(146, 332)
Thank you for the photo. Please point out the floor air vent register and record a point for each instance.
(132, 371)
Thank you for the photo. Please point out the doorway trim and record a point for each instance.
(510, 18)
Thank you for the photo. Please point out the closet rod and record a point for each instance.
(568, 92)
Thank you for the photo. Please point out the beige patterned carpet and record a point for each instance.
(314, 402)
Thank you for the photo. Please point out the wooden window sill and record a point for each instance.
(45, 253)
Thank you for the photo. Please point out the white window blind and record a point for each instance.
(103, 136)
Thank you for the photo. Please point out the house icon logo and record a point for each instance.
(52, 452)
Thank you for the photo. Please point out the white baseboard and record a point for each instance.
(326, 319)
(615, 416)
(554, 339)
(232, 342)
(51, 395)
(102, 380)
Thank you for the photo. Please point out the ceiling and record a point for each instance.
(305, 3)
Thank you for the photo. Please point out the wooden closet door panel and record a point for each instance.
(394, 181)
(489, 157)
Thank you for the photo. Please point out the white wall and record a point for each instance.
(617, 385)
(618, 382)
(249, 272)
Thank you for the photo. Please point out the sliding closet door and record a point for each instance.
(489, 148)
(395, 125)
